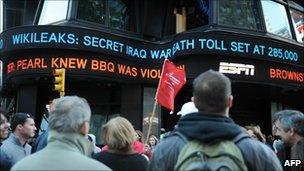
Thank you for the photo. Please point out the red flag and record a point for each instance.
(171, 81)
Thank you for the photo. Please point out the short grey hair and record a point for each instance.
(211, 91)
(291, 119)
(68, 114)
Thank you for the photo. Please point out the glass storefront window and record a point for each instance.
(12, 13)
(297, 5)
(112, 13)
(298, 22)
(276, 19)
(241, 13)
(118, 15)
(197, 13)
(53, 11)
(92, 10)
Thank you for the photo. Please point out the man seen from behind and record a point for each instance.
(213, 99)
(67, 146)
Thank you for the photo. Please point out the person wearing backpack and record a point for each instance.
(209, 139)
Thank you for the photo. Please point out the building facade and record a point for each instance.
(113, 51)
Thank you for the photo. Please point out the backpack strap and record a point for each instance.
(240, 137)
(236, 139)
(182, 136)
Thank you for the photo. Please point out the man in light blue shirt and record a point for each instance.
(15, 147)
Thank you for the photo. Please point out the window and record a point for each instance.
(53, 11)
(92, 10)
(241, 13)
(112, 13)
(298, 22)
(118, 15)
(197, 13)
(13, 13)
(276, 19)
(297, 5)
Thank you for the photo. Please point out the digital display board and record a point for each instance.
(211, 42)
(248, 70)
(82, 64)
(34, 50)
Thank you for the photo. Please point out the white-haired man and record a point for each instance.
(67, 146)
(289, 125)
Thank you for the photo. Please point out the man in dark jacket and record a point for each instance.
(212, 96)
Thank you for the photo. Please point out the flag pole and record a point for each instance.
(155, 103)
(150, 123)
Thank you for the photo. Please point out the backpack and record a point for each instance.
(223, 155)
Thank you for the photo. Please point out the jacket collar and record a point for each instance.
(208, 127)
(71, 141)
(14, 139)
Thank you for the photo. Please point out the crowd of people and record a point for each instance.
(204, 138)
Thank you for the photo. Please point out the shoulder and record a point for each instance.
(102, 155)
(25, 163)
(87, 163)
(166, 152)
(7, 147)
(258, 156)
(6, 143)
(173, 141)
(94, 164)
(173, 138)
(252, 144)
(140, 158)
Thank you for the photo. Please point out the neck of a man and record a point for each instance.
(21, 138)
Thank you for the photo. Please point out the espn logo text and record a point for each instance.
(236, 68)
(291, 163)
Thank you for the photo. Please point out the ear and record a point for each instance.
(84, 129)
(291, 131)
(230, 101)
(19, 126)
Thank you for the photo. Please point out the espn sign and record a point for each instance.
(236, 68)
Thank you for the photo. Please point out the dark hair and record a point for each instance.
(291, 119)
(211, 90)
(19, 118)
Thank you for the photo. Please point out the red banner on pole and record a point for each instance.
(171, 81)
